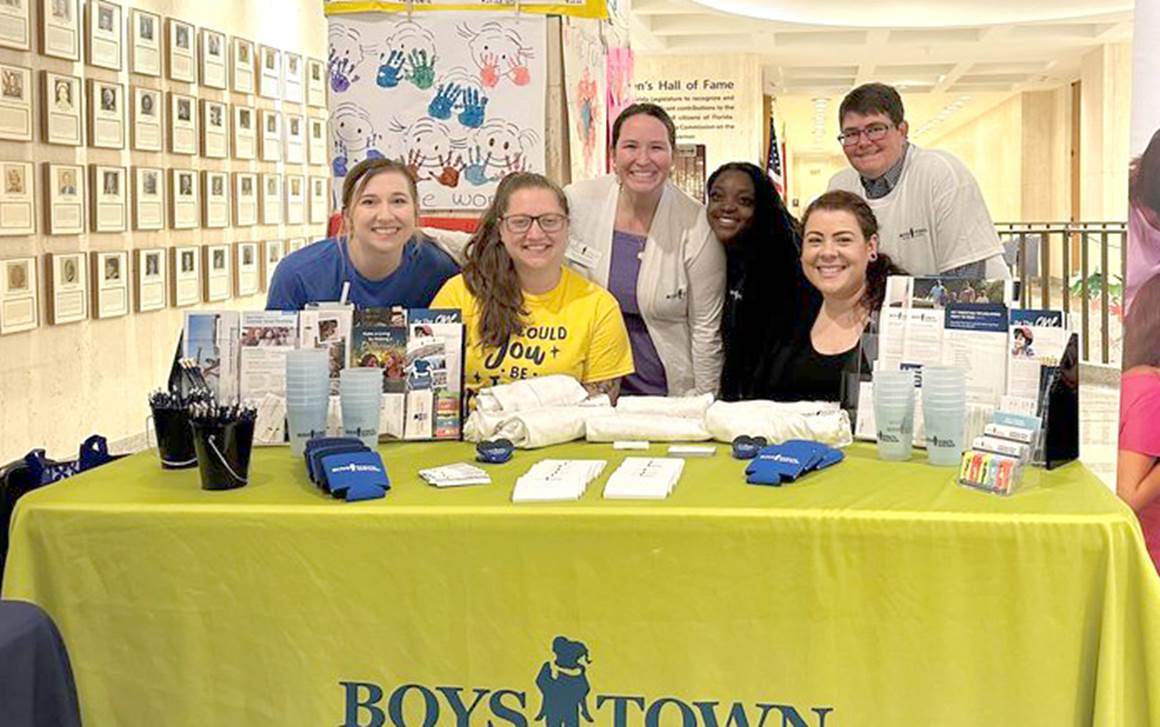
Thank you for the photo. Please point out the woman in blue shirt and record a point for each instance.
(380, 255)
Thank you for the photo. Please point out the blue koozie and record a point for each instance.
(353, 474)
(789, 460)
(319, 443)
(785, 466)
(831, 456)
(822, 455)
(314, 457)
(764, 476)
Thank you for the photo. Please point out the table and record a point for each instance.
(866, 594)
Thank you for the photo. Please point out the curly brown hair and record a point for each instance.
(881, 267)
(490, 274)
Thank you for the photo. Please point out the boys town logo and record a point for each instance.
(564, 689)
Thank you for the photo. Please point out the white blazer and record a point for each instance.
(681, 286)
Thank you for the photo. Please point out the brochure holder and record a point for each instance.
(420, 350)
(422, 354)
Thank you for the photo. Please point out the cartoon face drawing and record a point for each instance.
(430, 152)
(498, 53)
(430, 140)
(408, 55)
(410, 36)
(496, 149)
(354, 137)
(343, 57)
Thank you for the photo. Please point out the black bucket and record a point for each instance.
(174, 439)
(223, 453)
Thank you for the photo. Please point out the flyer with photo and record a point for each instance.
(267, 336)
(211, 339)
(1036, 340)
(328, 328)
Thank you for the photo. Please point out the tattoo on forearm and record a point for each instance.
(608, 386)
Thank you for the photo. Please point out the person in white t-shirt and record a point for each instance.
(931, 213)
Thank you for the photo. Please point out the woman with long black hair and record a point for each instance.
(765, 292)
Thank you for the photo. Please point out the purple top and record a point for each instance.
(624, 268)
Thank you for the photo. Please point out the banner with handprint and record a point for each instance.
(573, 8)
(585, 85)
(458, 97)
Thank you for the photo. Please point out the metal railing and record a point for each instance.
(1044, 255)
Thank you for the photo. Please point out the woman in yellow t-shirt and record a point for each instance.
(526, 314)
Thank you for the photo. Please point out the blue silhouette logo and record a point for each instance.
(563, 685)
(564, 691)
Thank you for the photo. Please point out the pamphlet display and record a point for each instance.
(420, 352)
(1013, 361)
(968, 324)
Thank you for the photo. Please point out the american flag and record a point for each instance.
(775, 158)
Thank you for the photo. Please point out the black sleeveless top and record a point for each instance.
(795, 371)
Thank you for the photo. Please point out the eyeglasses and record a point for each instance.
(520, 224)
(873, 132)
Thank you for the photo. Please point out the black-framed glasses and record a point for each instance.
(873, 132)
(520, 224)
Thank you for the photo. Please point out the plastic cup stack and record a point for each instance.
(894, 413)
(307, 395)
(944, 407)
(361, 391)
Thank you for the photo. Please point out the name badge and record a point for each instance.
(583, 255)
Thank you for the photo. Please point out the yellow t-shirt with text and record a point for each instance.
(575, 329)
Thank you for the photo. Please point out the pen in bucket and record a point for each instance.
(170, 413)
(223, 435)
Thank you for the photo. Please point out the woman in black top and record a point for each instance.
(765, 292)
(840, 259)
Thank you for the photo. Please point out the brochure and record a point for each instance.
(328, 328)
(243, 356)
(211, 339)
(379, 339)
(1036, 340)
(267, 336)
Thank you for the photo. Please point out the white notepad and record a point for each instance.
(644, 478)
(557, 479)
(455, 475)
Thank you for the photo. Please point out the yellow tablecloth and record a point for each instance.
(866, 594)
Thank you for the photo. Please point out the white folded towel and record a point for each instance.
(675, 406)
(537, 427)
(820, 421)
(537, 393)
(653, 427)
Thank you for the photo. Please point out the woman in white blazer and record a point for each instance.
(638, 235)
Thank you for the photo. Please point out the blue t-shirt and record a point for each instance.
(316, 274)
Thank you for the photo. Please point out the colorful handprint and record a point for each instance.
(498, 52)
(444, 100)
(422, 69)
(343, 56)
(390, 69)
(474, 106)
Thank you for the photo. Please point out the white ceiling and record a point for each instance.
(951, 59)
